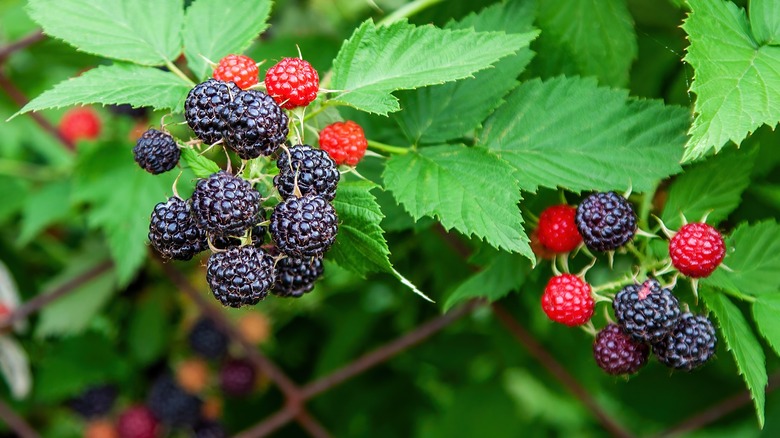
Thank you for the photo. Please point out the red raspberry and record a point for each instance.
(345, 142)
(292, 82)
(80, 123)
(137, 422)
(557, 230)
(567, 299)
(240, 69)
(697, 250)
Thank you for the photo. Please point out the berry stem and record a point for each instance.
(387, 148)
(407, 11)
(175, 70)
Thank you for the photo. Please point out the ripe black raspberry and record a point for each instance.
(173, 231)
(313, 170)
(606, 221)
(617, 353)
(207, 340)
(224, 204)
(156, 152)
(304, 227)
(296, 276)
(227, 242)
(237, 377)
(256, 125)
(689, 345)
(171, 404)
(95, 401)
(206, 108)
(647, 312)
(240, 276)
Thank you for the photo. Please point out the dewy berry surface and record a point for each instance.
(240, 69)
(345, 142)
(292, 82)
(606, 221)
(567, 299)
(697, 250)
(617, 353)
(557, 230)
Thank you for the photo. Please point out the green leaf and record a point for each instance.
(765, 311)
(201, 166)
(586, 38)
(360, 245)
(741, 341)
(148, 332)
(116, 84)
(45, 207)
(737, 82)
(122, 197)
(73, 313)
(501, 275)
(376, 61)
(714, 186)
(551, 134)
(465, 188)
(207, 35)
(454, 110)
(146, 32)
(765, 21)
(753, 258)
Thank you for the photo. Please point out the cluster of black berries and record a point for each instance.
(226, 212)
(649, 315)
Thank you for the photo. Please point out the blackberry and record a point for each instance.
(225, 204)
(173, 231)
(206, 108)
(171, 404)
(240, 276)
(313, 170)
(156, 152)
(296, 276)
(304, 227)
(689, 345)
(95, 401)
(227, 242)
(606, 221)
(207, 340)
(256, 125)
(237, 377)
(617, 353)
(209, 429)
(647, 312)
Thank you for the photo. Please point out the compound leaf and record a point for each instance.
(378, 60)
(465, 188)
(549, 132)
(737, 81)
(146, 32)
(206, 34)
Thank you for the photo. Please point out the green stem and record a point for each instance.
(175, 70)
(387, 148)
(407, 11)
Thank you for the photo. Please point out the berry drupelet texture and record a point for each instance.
(206, 108)
(345, 142)
(557, 230)
(296, 276)
(617, 353)
(156, 152)
(304, 227)
(311, 170)
(256, 125)
(647, 311)
(224, 204)
(606, 221)
(240, 276)
(239, 69)
(207, 340)
(173, 231)
(292, 82)
(689, 345)
(171, 404)
(567, 299)
(697, 249)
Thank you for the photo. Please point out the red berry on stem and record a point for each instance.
(80, 123)
(292, 82)
(345, 142)
(557, 230)
(239, 69)
(697, 250)
(567, 299)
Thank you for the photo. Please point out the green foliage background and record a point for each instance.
(497, 104)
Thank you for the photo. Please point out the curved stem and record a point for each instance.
(175, 70)
(407, 11)
(397, 150)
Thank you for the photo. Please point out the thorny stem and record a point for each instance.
(175, 70)
(387, 148)
(407, 11)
